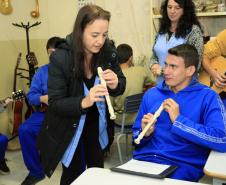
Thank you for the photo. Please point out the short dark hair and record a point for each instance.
(124, 51)
(52, 42)
(188, 53)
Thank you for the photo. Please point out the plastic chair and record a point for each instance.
(131, 105)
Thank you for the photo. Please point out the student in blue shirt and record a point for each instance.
(191, 124)
(28, 131)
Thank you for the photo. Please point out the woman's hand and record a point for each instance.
(95, 94)
(147, 118)
(172, 108)
(110, 78)
(156, 69)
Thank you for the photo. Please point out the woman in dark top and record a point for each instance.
(74, 131)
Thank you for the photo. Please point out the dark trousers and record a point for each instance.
(88, 154)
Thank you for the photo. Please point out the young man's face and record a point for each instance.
(177, 76)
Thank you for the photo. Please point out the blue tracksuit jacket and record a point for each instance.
(200, 127)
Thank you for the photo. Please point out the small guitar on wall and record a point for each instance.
(218, 64)
(6, 7)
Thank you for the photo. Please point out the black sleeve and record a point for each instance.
(110, 58)
(60, 99)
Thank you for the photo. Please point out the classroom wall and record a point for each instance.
(56, 17)
(129, 23)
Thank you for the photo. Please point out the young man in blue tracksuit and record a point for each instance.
(29, 130)
(192, 123)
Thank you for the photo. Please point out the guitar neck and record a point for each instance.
(32, 62)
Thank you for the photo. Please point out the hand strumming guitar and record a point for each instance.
(219, 79)
(4, 103)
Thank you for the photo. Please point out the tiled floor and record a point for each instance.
(19, 171)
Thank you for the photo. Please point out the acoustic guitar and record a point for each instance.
(5, 7)
(32, 62)
(218, 64)
(17, 99)
(17, 105)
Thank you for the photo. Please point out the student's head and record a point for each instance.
(51, 44)
(125, 54)
(181, 12)
(180, 65)
(90, 29)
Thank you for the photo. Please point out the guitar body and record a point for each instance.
(6, 7)
(17, 105)
(218, 63)
(17, 116)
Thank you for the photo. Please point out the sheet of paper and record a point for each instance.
(144, 167)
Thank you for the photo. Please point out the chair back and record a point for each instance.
(131, 105)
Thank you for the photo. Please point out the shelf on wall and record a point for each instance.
(200, 14)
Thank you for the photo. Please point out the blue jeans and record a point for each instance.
(3, 146)
(28, 132)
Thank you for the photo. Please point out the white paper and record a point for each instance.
(144, 167)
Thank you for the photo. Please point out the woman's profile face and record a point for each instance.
(94, 35)
(174, 11)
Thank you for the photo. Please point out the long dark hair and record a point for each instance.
(86, 15)
(187, 20)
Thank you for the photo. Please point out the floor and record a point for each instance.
(19, 171)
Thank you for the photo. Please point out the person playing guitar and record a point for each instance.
(214, 63)
(38, 98)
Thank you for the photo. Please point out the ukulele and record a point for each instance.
(6, 7)
(218, 64)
